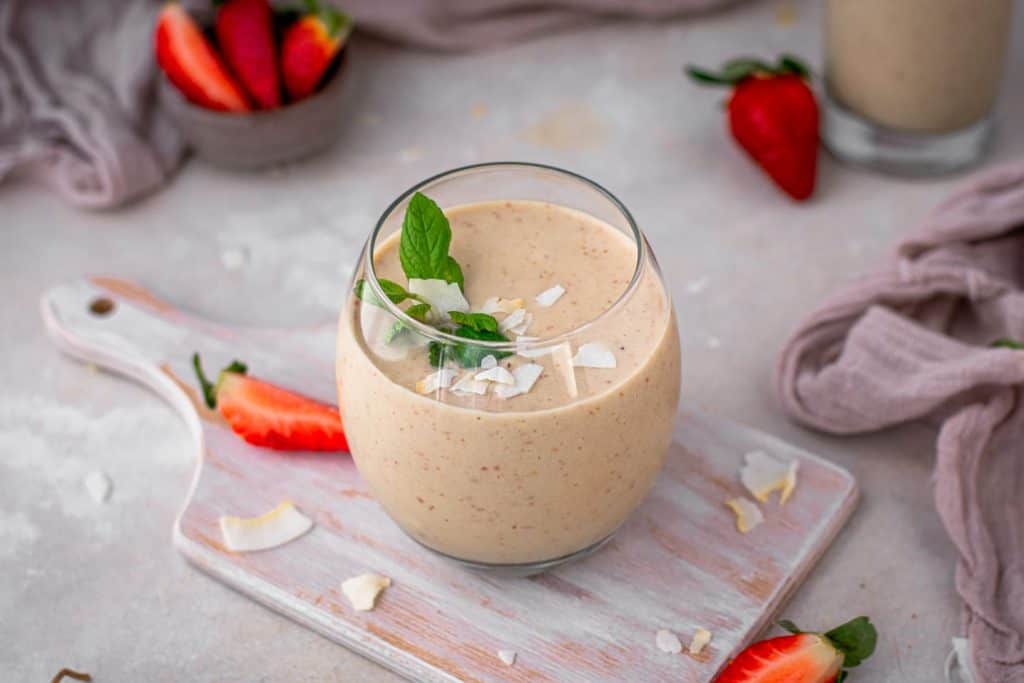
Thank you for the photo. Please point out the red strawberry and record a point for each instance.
(267, 415)
(803, 657)
(245, 34)
(774, 116)
(191, 63)
(309, 47)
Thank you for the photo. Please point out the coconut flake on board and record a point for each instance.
(270, 530)
(498, 305)
(362, 590)
(442, 297)
(549, 296)
(525, 377)
(594, 355)
(748, 515)
(762, 474)
(496, 374)
(508, 657)
(667, 642)
(98, 485)
(701, 638)
(442, 379)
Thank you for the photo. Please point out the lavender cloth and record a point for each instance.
(913, 341)
(77, 102)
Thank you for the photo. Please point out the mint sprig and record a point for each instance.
(468, 355)
(478, 322)
(426, 237)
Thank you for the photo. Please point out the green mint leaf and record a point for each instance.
(453, 273)
(856, 639)
(789, 626)
(480, 322)
(418, 312)
(394, 331)
(470, 356)
(1006, 343)
(392, 290)
(438, 353)
(426, 236)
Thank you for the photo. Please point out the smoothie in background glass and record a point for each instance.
(927, 69)
(478, 472)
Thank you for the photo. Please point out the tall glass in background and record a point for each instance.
(911, 84)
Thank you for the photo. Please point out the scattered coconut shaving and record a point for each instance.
(469, 385)
(525, 377)
(488, 362)
(442, 379)
(701, 638)
(508, 657)
(517, 321)
(748, 515)
(668, 642)
(277, 527)
(549, 296)
(498, 305)
(523, 349)
(362, 590)
(594, 355)
(697, 286)
(98, 485)
(442, 297)
(496, 374)
(762, 474)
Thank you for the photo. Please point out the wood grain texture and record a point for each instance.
(677, 563)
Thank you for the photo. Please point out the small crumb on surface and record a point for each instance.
(748, 515)
(233, 258)
(701, 638)
(99, 486)
(786, 14)
(410, 155)
(668, 642)
(362, 590)
(762, 474)
(697, 286)
(714, 342)
(507, 656)
(478, 110)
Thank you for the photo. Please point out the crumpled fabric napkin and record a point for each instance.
(914, 341)
(78, 106)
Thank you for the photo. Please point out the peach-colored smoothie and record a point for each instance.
(539, 475)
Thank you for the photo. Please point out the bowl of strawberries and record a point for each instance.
(250, 87)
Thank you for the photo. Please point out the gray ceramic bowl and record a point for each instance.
(262, 138)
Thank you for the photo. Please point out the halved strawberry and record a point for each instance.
(309, 47)
(264, 414)
(804, 657)
(191, 63)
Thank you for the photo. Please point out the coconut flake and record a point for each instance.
(549, 296)
(277, 527)
(594, 355)
(762, 474)
(748, 515)
(525, 377)
(442, 297)
(362, 590)
(496, 374)
(516, 322)
(701, 638)
(667, 642)
(498, 305)
(523, 350)
(98, 485)
(488, 362)
(442, 379)
(508, 657)
(468, 385)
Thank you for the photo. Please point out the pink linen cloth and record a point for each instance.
(914, 341)
(78, 108)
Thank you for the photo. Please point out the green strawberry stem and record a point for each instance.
(332, 19)
(736, 70)
(1006, 343)
(856, 639)
(208, 388)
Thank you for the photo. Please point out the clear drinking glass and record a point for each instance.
(526, 483)
(911, 85)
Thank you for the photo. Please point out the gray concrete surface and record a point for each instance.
(100, 588)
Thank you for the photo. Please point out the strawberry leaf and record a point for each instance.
(789, 626)
(1007, 343)
(856, 639)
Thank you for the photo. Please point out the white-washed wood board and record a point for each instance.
(678, 563)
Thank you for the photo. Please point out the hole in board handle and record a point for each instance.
(102, 306)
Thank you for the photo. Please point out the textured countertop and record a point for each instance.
(100, 587)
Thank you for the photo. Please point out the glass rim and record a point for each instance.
(435, 334)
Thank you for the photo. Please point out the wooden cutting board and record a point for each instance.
(678, 563)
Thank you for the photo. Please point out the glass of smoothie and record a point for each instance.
(508, 365)
(911, 85)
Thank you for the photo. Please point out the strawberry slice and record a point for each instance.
(191, 63)
(267, 415)
(804, 657)
(245, 34)
(309, 47)
(773, 116)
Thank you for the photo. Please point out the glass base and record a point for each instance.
(516, 571)
(854, 140)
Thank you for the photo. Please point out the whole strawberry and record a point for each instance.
(245, 33)
(774, 116)
(310, 45)
(804, 657)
